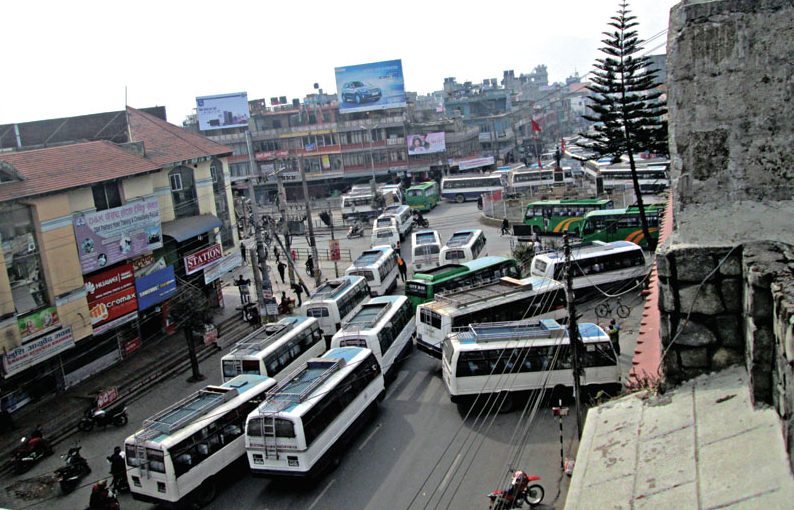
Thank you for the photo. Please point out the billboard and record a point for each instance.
(202, 258)
(155, 287)
(373, 86)
(38, 322)
(106, 237)
(425, 144)
(111, 297)
(223, 111)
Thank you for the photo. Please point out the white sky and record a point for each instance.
(64, 58)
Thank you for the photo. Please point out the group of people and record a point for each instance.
(101, 497)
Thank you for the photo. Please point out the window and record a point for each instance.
(106, 195)
(317, 312)
(430, 318)
(176, 182)
(455, 255)
(22, 258)
(183, 192)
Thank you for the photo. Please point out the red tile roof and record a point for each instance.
(165, 143)
(69, 166)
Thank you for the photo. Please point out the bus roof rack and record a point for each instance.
(254, 342)
(185, 411)
(524, 329)
(362, 318)
(296, 387)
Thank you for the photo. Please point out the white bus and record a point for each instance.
(463, 246)
(402, 216)
(461, 189)
(335, 301)
(653, 175)
(385, 236)
(503, 358)
(306, 421)
(528, 180)
(358, 203)
(384, 325)
(507, 299)
(595, 266)
(426, 245)
(176, 457)
(275, 349)
(379, 266)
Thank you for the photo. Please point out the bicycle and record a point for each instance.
(604, 310)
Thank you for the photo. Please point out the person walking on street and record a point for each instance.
(281, 266)
(276, 254)
(402, 267)
(505, 227)
(298, 290)
(244, 254)
(118, 469)
(614, 335)
(310, 266)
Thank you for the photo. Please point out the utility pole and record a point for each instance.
(331, 218)
(282, 208)
(312, 242)
(573, 335)
(264, 289)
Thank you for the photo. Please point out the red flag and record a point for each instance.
(535, 126)
(562, 145)
(540, 163)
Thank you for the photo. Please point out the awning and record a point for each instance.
(192, 226)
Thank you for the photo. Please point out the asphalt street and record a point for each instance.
(418, 453)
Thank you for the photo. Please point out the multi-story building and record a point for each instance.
(103, 219)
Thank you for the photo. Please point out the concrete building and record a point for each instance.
(103, 219)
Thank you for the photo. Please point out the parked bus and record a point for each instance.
(445, 278)
(463, 246)
(595, 266)
(557, 216)
(379, 266)
(461, 189)
(385, 235)
(335, 301)
(621, 224)
(358, 204)
(529, 180)
(507, 299)
(426, 246)
(652, 175)
(423, 196)
(505, 358)
(308, 419)
(401, 216)
(384, 325)
(275, 349)
(175, 457)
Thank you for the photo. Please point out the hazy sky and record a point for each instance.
(64, 58)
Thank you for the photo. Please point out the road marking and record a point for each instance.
(410, 386)
(371, 434)
(429, 393)
(396, 383)
(320, 496)
(449, 474)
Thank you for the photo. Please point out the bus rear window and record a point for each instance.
(455, 255)
(366, 274)
(230, 369)
(428, 249)
(317, 312)
(539, 266)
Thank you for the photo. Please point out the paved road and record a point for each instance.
(418, 452)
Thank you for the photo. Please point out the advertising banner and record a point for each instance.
(31, 353)
(111, 296)
(468, 164)
(106, 237)
(425, 144)
(204, 257)
(155, 287)
(222, 111)
(229, 262)
(373, 86)
(38, 322)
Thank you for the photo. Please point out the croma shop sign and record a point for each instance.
(111, 297)
(199, 260)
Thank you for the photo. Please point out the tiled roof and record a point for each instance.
(165, 143)
(69, 166)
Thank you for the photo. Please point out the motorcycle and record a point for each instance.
(76, 468)
(30, 450)
(355, 231)
(94, 416)
(520, 490)
(422, 222)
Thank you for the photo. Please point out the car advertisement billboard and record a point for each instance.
(373, 86)
(111, 297)
(425, 144)
(222, 111)
(106, 237)
(155, 287)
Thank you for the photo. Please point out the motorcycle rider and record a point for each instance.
(118, 468)
(36, 439)
(420, 220)
(100, 496)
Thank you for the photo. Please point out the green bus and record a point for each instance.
(557, 216)
(423, 196)
(621, 225)
(423, 286)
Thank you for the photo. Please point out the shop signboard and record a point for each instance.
(106, 237)
(229, 262)
(36, 351)
(198, 260)
(111, 297)
(155, 287)
(38, 322)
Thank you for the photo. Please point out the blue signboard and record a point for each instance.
(373, 86)
(155, 288)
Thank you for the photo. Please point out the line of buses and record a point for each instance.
(296, 392)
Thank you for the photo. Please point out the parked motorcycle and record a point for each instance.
(76, 468)
(355, 231)
(94, 416)
(31, 449)
(520, 491)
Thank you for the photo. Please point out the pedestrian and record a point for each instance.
(505, 226)
(293, 254)
(614, 335)
(264, 251)
(244, 254)
(276, 254)
(298, 290)
(402, 267)
(118, 468)
(281, 266)
(310, 266)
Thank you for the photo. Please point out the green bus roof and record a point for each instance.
(585, 201)
(446, 271)
(422, 185)
(621, 212)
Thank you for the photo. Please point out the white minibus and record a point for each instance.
(379, 266)
(335, 301)
(463, 246)
(385, 236)
(426, 245)
(403, 217)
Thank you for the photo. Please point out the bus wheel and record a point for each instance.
(206, 493)
(460, 198)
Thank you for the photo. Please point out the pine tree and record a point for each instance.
(626, 104)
